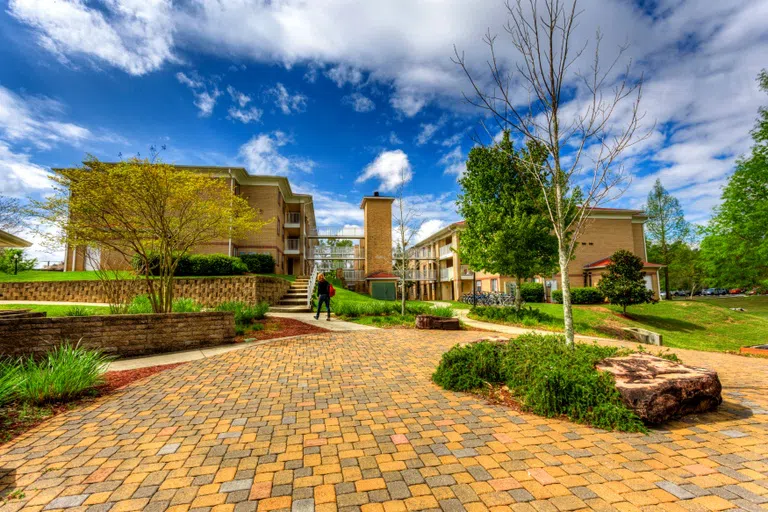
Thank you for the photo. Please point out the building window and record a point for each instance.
(494, 285)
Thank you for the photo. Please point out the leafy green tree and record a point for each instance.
(624, 284)
(506, 232)
(665, 228)
(735, 248)
(8, 262)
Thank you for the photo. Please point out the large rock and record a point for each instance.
(436, 322)
(659, 390)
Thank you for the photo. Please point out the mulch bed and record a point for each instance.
(17, 419)
(279, 327)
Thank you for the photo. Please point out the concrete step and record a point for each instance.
(290, 301)
(290, 309)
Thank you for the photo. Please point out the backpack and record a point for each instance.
(331, 290)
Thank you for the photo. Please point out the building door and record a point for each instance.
(92, 258)
(290, 267)
(649, 282)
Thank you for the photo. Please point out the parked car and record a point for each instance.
(721, 291)
(734, 291)
(708, 291)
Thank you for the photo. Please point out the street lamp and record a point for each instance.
(15, 264)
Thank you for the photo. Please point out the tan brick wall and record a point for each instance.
(638, 238)
(208, 291)
(118, 335)
(378, 235)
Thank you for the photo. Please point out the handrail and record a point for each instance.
(311, 287)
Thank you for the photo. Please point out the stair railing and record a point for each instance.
(311, 287)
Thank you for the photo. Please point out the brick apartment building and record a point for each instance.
(440, 274)
(286, 238)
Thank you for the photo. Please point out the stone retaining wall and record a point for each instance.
(208, 291)
(119, 335)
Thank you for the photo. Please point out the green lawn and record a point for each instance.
(696, 324)
(89, 275)
(755, 305)
(56, 310)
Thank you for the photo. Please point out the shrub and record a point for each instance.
(10, 378)
(140, 305)
(442, 311)
(585, 295)
(529, 316)
(354, 309)
(245, 314)
(469, 367)
(185, 305)
(78, 311)
(197, 265)
(548, 377)
(66, 372)
(532, 292)
(259, 263)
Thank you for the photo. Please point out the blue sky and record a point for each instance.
(339, 95)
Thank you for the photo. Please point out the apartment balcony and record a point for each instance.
(446, 252)
(446, 274)
(293, 220)
(346, 232)
(292, 246)
(353, 275)
(421, 275)
(466, 272)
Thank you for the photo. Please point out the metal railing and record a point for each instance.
(353, 275)
(446, 250)
(293, 218)
(334, 253)
(446, 274)
(421, 275)
(338, 232)
(466, 272)
(292, 244)
(311, 287)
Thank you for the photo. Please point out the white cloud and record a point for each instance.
(238, 97)
(133, 35)
(391, 168)
(19, 176)
(408, 104)
(454, 162)
(204, 92)
(341, 75)
(261, 155)
(394, 139)
(244, 115)
(358, 102)
(428, 228)
(288, 103)
(428, 130)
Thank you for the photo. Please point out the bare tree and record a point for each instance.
(407, 224)
(584, 138)
(13, 215)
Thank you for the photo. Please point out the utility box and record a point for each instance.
(383, 290)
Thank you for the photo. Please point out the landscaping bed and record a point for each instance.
(277, 327)
(22, 413)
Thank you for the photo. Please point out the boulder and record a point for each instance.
(658, 389)
(436, 322)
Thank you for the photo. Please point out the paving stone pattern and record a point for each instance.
(351, 421)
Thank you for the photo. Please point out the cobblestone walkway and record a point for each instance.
(351, 421)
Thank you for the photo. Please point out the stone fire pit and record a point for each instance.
(659, 390)
(436, 322)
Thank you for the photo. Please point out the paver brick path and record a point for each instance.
(351, 421)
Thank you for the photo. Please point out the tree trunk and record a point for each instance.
(518, 294)
(565, 282)
(666, 283)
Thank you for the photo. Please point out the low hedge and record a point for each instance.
(259, 263)
(547, 376)
(197, 265)
(532, 292)
(509, 314)
(585, 295)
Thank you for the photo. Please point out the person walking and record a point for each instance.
(323, 295)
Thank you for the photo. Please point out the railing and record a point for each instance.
(327, 252)
(311, 287)
(353, 275)
(338, 232)
(446, 274)
(421, 275)
(446, 250)
(466, 272)
(292, 245)
(293, 219)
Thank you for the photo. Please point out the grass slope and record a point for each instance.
(696, 325)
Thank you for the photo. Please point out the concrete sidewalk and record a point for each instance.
(334, 325)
